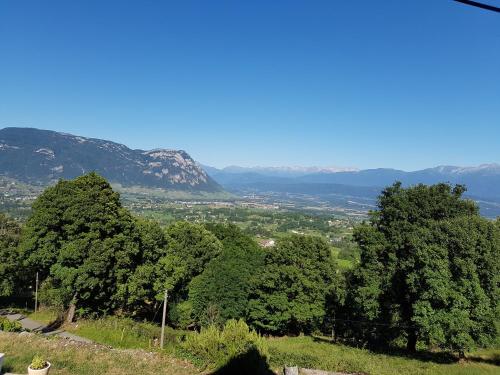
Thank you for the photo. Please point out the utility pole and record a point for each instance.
(163, 319)
(36, 293)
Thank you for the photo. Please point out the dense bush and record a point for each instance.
(214, 347)
(8, 326)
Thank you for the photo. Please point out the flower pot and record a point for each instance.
(1, 361)
(43, 371)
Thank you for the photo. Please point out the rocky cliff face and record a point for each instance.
(42, 156)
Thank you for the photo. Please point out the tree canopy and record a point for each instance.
(429, 270)
(291, 289)
(10, 233)
(221, 291)
(83, 243)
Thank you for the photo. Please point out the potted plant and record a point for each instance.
(39, 366)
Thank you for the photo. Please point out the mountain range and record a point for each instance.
(40, 157)
(482, 182)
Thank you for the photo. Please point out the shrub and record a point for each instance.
(8, 326)
(38, 363)
(214, 347)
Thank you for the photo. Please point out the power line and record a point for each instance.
(479, 5)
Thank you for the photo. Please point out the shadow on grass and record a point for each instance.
(6, 368)
(54, 325)
(424, 356)
(251, 362)
(495, 360)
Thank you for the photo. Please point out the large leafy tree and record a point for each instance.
(221, 291)
(139, 292)
(291, 289)
(429, 270)
(83, 243)
(190, 248)
(10, 261)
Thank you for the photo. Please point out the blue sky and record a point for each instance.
(396, 83)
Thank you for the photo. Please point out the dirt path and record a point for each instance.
(33, 326)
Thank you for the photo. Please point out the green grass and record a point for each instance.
(124, 333)
(43, 315)
(302, 351)
(345, 264)
(310, 353)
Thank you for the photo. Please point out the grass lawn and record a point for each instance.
(310, 353)
(303, 351)
(123, 333)
(43, 315)
(72, 359)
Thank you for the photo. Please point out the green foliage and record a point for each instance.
(194, 245)
(38, 363)
(80, 236)
(139, 291)
(291, 289)
(429, 271)
(214, 347)
(190, 249)
(10, 260)
(51, 295)
(7, 326)
(221, 292)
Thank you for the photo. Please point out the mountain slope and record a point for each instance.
(42, 156)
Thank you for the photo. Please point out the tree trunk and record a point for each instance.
(411, 345)
(71, 311)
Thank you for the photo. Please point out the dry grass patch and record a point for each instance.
(76, 359)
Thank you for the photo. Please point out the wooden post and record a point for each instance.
(36, 293)
(72, 309)
(163, 319)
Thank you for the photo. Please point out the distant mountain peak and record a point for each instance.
(41, 156)
(490, 167)
(294, 170)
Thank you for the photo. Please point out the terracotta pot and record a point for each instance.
(43, 371)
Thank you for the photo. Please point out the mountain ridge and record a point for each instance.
(482, 182)
(42, 156)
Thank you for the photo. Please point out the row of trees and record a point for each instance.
(429, 269)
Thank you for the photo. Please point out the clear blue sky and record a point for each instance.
(395, 83)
